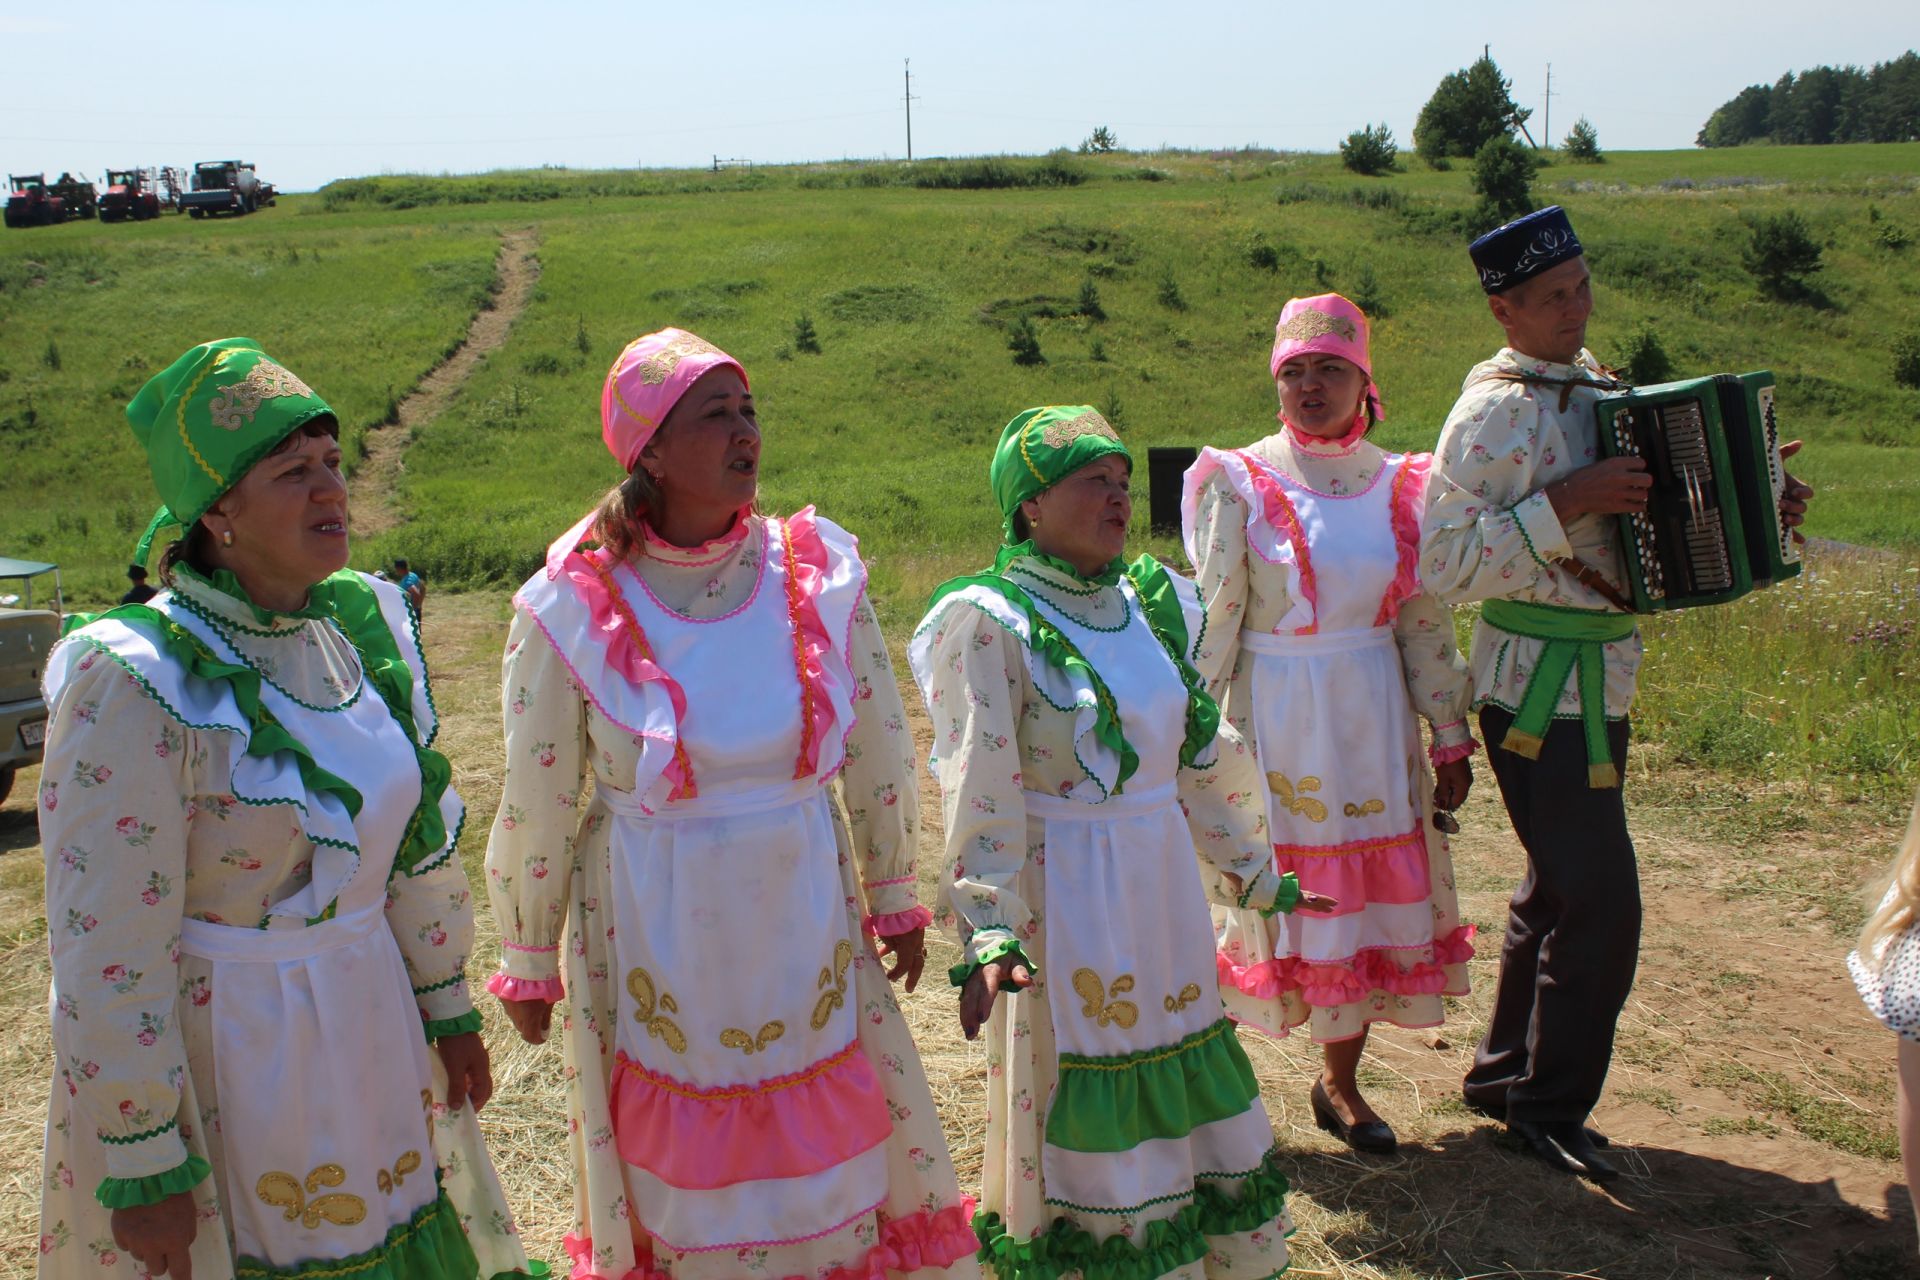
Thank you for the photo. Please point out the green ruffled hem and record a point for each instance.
(1117, 1103)
(428, 1246)
(1166, 1245)
(128, 1193)
(959, 973)
(468, 1021)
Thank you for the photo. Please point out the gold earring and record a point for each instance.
(226, 537)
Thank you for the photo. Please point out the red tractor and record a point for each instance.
(30, 204)
(129, 194)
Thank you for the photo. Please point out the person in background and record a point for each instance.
(1886, 971)
(411, 584)
(139, 592)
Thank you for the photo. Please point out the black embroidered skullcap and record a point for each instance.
(1522, 249)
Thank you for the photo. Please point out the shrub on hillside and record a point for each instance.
(1469, 108)
(1906, 358)
(1169, 293)
(1367, 295)
(1261, 255)
(1371, 151)
(1781, 253)
(804, 337)
(1645, 359)
(1024, 342)
(1503, 177)
(1582, 144)
(1090, 301)
(1101, 140)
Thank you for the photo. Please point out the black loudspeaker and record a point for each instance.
(1165, 465)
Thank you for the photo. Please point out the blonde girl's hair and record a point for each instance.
(1899, 901)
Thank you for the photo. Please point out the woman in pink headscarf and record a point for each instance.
(1324, 652)
(744, 1097)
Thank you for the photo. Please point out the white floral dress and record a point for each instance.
(745, 1097)
(1323, 650)
(239, 982)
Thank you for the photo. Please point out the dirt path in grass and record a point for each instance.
(376, 480)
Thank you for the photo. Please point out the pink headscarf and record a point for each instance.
(1329, 325)
(646, 381)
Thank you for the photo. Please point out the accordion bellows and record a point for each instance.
(1711, 532)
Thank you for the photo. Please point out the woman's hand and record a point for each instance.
(1451, 782)
(976, 998)
(909, 951)
(531, 1018)
(469, 1073)
(158, 1236)
(1315, 902)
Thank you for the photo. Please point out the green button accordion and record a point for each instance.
(1711, 531)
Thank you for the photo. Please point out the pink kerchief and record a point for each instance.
(1329, 325)
(649, 377)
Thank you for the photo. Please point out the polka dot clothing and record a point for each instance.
(1891, 987)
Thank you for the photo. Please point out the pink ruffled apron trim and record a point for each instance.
(786, 1127)
(1390, 870)
(807, 569)
(927, 1240)
(1330, 984)
(1408, 503)
(899, 922)
(507, 987)
(1277, 510)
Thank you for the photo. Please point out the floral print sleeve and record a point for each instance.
(1220, 540)
(878, 784)
(1437, 679)
(976, 702)
(1225, 804)
(1490, 531)
(530, 851)
(431, 915)
(115, 803)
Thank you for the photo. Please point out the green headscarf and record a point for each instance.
(1042, 447)
(205, 420)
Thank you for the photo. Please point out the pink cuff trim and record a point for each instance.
(510, 988)
(521, 946)
(1408, 501)
(1277, 509)
(1447, 755)
(882, 884)
(1333, 983)
(1358, 872)
(899, 922)
(921, 1241)
(785, 1127)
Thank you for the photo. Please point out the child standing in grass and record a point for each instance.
(1886, 971)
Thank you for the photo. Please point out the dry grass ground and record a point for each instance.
(1751, 1095)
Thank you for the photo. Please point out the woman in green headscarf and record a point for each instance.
(267, 1063)
(1082, 762)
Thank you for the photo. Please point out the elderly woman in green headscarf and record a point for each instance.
(267, 1063)
(1082, 762)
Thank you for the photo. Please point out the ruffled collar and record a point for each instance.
(1317, 447)
(711, 551)
(1052, 567)
(1584, 365)
(304, 655)
(220, 592)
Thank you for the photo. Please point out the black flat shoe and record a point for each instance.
(1578, 1141)
(1492, 1112)
(1370, 1137)
(1545, 1146)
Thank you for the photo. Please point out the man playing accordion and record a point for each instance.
(1523, 516)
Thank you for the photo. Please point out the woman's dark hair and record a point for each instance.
(1020, 530)
(616, 524)
(192, 548)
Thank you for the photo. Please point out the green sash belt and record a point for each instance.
(1572, 637)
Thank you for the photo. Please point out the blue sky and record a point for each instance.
(325, 90)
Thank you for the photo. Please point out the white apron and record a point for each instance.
(744, 1109)
(1129, 945)
(324, 1084)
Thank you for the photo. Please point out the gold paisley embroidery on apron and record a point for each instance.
(237, 402)
(409, 1162)
(283, 1191)
(1301, 803)
(836, 974)
(1188, 994)
(1353, 810)
(658, 1025)
(735, 1038)
(1096, 994)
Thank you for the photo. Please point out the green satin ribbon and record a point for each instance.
(1571, 640)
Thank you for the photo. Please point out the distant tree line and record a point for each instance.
(1825, 104)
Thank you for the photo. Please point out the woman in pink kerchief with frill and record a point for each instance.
(1323, 649)
(744, 1097)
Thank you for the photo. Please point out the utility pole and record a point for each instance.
(909, 101)
(1546, 127)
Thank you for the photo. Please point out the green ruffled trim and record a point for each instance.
(1166, 1245)
(1117, 1103)
(1285, 897)
(460, 1026)
(130, 1193)
(132, 1138)
(441, 985)
(428, 1246)
(223, 581)
(1169, 625)
(959, 974)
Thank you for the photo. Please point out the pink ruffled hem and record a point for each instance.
(1447, 755)
(1329, 984)
(918, 1242)
(1408, 500)
(899, 922)
(508, 987)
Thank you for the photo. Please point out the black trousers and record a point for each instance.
(1573, 930)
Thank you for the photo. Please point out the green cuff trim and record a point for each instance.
(1117, 1103)
(468, 1021)
(129, 1193)
(1166, 1245)
(959, 974)
(428, 1246)
(1285, 898)
(442, 985)
(538, 1270)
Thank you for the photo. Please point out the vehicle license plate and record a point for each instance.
(33, 732)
